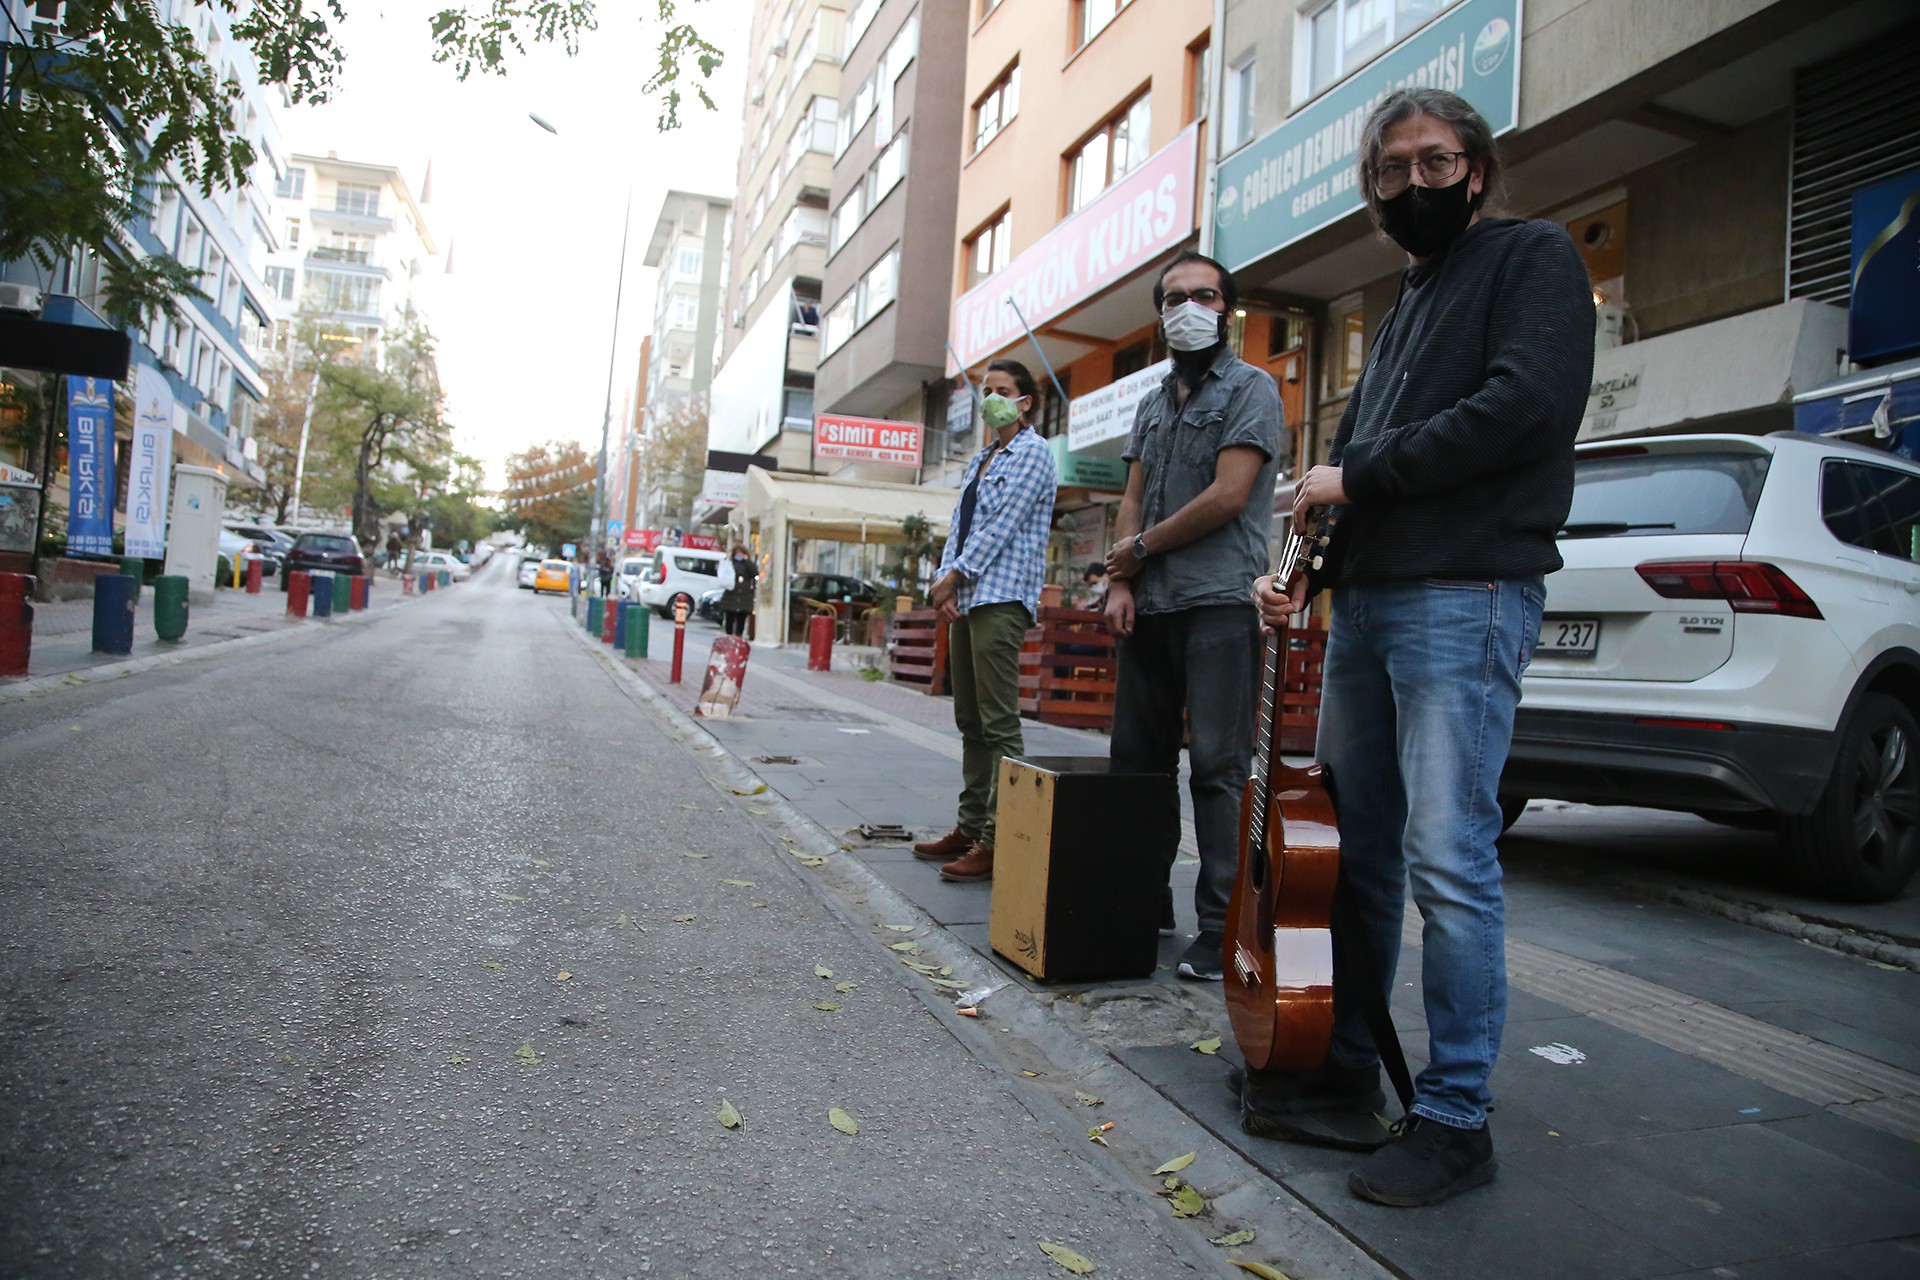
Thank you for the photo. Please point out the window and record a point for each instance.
(988, 6)
(686, 263)
(997, 107)
(860, 16)
(333, 292)
(1092, 16)
(1349, 326)
(346, 246)
(847, 218)
(876, 288)
(293, 186)
(1237, 127)
(1344, 35)
(1116, 149)
(1877, 508)
(351, 198)
(838, 325)
(279, 282)
(900, 52)
(888, 168)
(293, 233)
(1199, 62)
(990, 248)
(802, 225)
(683, 312)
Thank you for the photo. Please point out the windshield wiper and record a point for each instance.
(1602, 528)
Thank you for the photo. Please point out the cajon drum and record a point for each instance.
(1080, 867)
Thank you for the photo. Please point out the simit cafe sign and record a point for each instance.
(1130, 224)
(866, 439)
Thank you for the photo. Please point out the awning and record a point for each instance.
(841, 510)
(1875, 406)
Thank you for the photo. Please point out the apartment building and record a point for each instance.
(1081, 175)
(688, 248)
(763, 390)
(890, 241)
(1704, 157)
(352, 248)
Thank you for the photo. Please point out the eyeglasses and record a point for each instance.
(1205, 297)
(1391, 179)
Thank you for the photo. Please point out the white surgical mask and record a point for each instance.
(1191, 327)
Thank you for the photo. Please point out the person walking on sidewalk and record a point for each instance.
(742, 574)
(1452, 471)
(1192, 529)
(987, 591)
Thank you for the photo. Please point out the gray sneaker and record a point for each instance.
(1426, 1162)
(1204, 961)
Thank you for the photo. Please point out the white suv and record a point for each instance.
(677, 573)
(1737, 633)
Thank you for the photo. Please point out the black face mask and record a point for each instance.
(1425, 220)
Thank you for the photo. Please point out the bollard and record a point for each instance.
(362, 590)
(620, 608)
(820, 642)
(609, 621)
(342, 592)
(426, 582)
(170, 606)
(593, 614)
(406, 584)
(136, 568)
(113, 613)
(321, 592)
(254, 570)
(16, 622)
(638, 622)
(679, 636)
(299, 585)
(446, 577)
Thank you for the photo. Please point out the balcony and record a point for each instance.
(356, 261)
(321, 216)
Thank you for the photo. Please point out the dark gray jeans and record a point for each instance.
(1202, 661)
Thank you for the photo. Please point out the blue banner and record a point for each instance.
(1883, 315)
(1302, 174)
(89, 466)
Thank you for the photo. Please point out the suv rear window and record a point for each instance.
(697, 564)
(1665, 494)
(329, 542)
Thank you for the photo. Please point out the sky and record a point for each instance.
(524, 319)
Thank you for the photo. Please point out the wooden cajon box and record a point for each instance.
(1080, 867)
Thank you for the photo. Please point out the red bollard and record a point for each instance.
(357, 591)
(298, 581)
(609, 618)
(820, 642)
(253, 577)
(16, 622)
(679, 637)
(406, 584)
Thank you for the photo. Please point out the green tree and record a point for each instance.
(98, 109)
(384, 419)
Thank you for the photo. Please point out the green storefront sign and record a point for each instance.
(1301, 175)
(1087, 472)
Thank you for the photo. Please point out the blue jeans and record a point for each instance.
(1417, 701)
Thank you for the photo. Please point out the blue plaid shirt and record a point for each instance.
(1006, 553)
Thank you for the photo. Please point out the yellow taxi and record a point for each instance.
(552, 576)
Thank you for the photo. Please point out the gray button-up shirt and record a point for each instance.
(1178, 450)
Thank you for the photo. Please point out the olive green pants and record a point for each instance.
(983, 657)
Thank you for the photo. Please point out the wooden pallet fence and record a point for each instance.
(1068, 669)
(917, 651)
(1300, 690)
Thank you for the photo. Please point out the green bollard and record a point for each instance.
(136, 568)
(342, 593)
(638, 617)
(170, 606)
(593, 615)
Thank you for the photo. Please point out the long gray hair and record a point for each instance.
(1476, 137)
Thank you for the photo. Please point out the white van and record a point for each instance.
(679, 573)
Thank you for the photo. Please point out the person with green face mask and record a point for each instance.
(988, 593)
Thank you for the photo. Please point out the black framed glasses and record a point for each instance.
(1438, 169)
(1205, 297)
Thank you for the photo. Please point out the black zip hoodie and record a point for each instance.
(1457, 443)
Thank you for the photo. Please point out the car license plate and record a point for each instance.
(1568, 637)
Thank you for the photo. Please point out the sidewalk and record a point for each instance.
(1673, 1101)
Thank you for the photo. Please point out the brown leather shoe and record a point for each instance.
(946, 848)
(976, 865)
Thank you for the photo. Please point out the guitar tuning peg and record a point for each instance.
(1315, 562)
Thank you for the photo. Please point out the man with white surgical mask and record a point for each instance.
(1192, 533)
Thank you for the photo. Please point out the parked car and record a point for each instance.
(270, 540)
(626, 579)
(1737, 633)
(850, 598)
(233, 547)
(323, 553)
(435, 561)
(553, 575)
(679, 573)
(529, 569)
(709, 605)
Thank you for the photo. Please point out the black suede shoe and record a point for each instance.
(1426, 1162)
(1325, 1106)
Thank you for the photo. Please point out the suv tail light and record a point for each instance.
(1750, 586)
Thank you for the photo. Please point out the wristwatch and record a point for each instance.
(1139, 547)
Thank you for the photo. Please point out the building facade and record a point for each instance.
(688, 248)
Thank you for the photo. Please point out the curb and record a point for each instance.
(1018, 1032)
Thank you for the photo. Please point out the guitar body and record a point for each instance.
(1279, 944)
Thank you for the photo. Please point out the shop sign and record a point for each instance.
(149, 472)
(723, 488)
(866, 439)
(642, 539)
(1107, 414)
(1302, 175)
(1081, 471)
(960, 410)
(1129, 225)
(10, 474)
(700, 542)
(1883, 318)
(89, 466)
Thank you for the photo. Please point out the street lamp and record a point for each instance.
(596, 533)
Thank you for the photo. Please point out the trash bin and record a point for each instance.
(593, 615)
(136, 568)
(299, 587)
(343, 591)
(16, 622)
(170, 606)
(639, 619)
(113, 613)
(321, 592)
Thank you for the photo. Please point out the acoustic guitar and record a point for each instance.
(1279, 940)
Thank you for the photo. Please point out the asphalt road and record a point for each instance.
(420, 949)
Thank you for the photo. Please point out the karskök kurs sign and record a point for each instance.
(1301, 175)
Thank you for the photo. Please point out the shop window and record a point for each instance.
(1285, 333)
(990, 248)
(1132, 359)
(1341, 36)
(1116, 149)
(1053, 418)
(996, 107)
(1348, 326)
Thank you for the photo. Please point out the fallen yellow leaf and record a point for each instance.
(821, 971)
(1232, 1238)
(1210, 1045)
(1067, 1258)
(682, 919)
(1187, 1202)
(842, 1121)
(742, 884)
(1260, 1269)
(827, 1006)
(1178, 1163)
(729, 1115)
(563, 976)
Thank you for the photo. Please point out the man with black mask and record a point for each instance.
(1192, 530)
(1451, 472)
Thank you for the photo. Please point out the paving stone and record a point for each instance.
(1881, 1260)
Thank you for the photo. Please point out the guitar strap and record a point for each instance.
(1352, 957)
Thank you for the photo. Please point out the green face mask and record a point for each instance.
(998, 411)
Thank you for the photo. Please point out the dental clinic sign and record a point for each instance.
(1303, 174)
(1132, 222)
